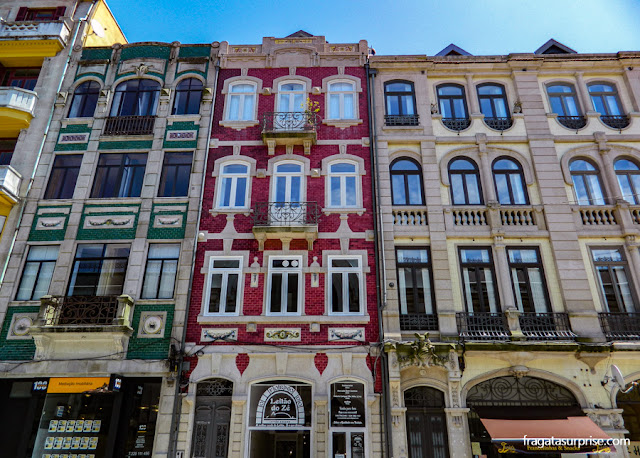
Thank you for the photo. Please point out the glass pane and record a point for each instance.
(393, 105)
(151, 279)
(342, 86)
(517, 188)
(556, 106)
(415, 189)
(247, 109)
(276, 293)
(406, 255)
(43, 253)
(598, 104)
(473, 190)
(334, 106)
(234, 108)
(486, 108)
(242, 88)
(462, 164)
(474, 255)
(295, 189)
(292, 87)
(489, 290)
(407, 105)
(292, 293)
(625, 290)
(505, 164)
(349, 107)
(351, 191)
(580, 189)
(404, 164)
(449, 90)
(397, 184)
(398, 87)
(44, 280)
(572, 108)
(163, 251)
(354, 293)
(235, 168)
(488, 90)
(537, 290)
(446, 108)
(168, 279)
(597, 198)
(501, 108)
(424, 290)
(346, 263)
(559, 89)
(27, 283)
(607, 255)
(523, 256)
(241, 192)
(503, 189)
(335, 192)
(231, 293)
(625, 188)
(343, 167)
(581, 166)
(458, 108)
(336, 293)
(298, 103)
(625, 164)
(405, 288)
(226, 264)
(281, 187)
(215, 293)
(292, 168)
(225, 192)
(457, 190)
(612, 104)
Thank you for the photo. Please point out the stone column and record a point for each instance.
(471, 93)
(323, 440)
(583, 92)
(398, 416)
(485, 169)
(458, 429)
(632, 246)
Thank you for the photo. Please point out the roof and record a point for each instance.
(299, 34)
(554, 47)
(453, 50)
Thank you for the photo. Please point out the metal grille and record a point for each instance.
(418, 322)
(519, 392)
(289, 121)
(482, 326)
(615, 121)
(546, 326)
(81, 310)
(129, 125)
(424, 396)
(402, 120)
(572, 122)
(498, 123)
(200, 439)
(222, 434)
(286, 214)
(215, 387)
(620, 326)
(456, 123)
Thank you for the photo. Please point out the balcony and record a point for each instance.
(289, 129)
(10, 181)
(498, 123)
(402, 120)
(27, 43)
(456, 123)
(129, 125)
(17, 108)
(615, 121)
(285, 221)
(508, 218)
(573, 122)
(482, 326)
(69, 327)
(418, 322)
(546, 326)
(620, 326)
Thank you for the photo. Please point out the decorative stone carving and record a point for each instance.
(152, 324)
(421, 352)
(282, 334)
(214, 335)
(346, 334)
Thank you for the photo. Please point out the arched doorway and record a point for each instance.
(630, 405)
(426, 423)
(212, 418)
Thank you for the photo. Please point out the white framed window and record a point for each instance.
(288, 182)
(343, 184)
(160, 274)
(224, 286)
(233, 188)
(241, 102)
(37, 272)
(342, 100)
(345, 285)
(291, 97)
(284, 286)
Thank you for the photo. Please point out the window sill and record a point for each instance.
(183, 117)
(239, 125)
(115, 200)
(402, 128)
(230, 211)
(286, 319)
(342, 123)
(344, 211)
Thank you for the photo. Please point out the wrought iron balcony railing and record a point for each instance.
(546, 326)
(402, 120)
(129, 125)
(456, 123)
(85, 310)
(615, 121)
(498, 123)
(267, 214)
(289, 122)
(573, 122)
(418, 322)
(482, 326)
(620, 326)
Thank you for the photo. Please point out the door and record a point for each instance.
(427, 434)
(291, 98)
(211, 428)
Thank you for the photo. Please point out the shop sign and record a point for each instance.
(144, 442)
(280, 405)
(77, 384)
(634, 448)
(347, 404)
(40, 386)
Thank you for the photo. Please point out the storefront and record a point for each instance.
(79, 417)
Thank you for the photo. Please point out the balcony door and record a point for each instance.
(287, 194)
(291, 98)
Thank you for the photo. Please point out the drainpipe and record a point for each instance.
(385, 405)
(44, 138)
(177, 405)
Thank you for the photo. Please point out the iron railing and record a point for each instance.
(546, 326)
(498, 123)
(286, 214)
(620, 326)
(129, 125)
(573, 122)
(482, 326)
(418, 322)
(80, 310)
(456, 123)
(402, 120)
(293, 121)
(615, 121)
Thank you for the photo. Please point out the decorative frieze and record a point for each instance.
(218, 334)
(356, 334)
(282, 335)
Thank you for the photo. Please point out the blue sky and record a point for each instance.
(392, 26)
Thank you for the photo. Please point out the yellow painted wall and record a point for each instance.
(112, 32)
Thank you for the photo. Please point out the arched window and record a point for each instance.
(586, 182)
(564, 103)
(509, 182)
(493, 105)
(188, 96)
(343, 185)
(406, 182)
(453, 106)
(137, 97)
(628, 174)
(465, 182)
(291, 97)
(85, 98)
(233, 187)
(426, 423)
(630, 405)
(342, 99)
(400, 102)
(606, 101)
(241, 102)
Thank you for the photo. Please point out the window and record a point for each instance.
(99, 270)
(465, 182)
(345, 286)
(493, 105)
(343, 185)
(606, 101)
(242, 101)
(400, 102)
(40, 14)
(224, 286)
(160, 274)
(85, 98)
(613, 277)
(453, 106)
(628, 175)
(119, 175)
(64, 174)
(136, 97)
(414, 281)
(176, 171)
(586, 183)
(342, 97)
(288, 181)
(564, 103)
(406, 182)
(480, 292)
(509, 181)
(291, 97)
(234, 186)
(24, 78)
(7, 146)
(528, 280)
(37, 273)
(284, 290)
(188, 96)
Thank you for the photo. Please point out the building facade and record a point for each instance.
(283, 323)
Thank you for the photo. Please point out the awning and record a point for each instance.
(567, 435)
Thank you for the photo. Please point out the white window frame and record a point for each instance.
(341, 94)
(225, 277)
(304, 92)
(162, 265)
(343, 184)
(242, 95)
(277, 174)
(234, 183)
(37, 277)
(345, 271)
(285, 280)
